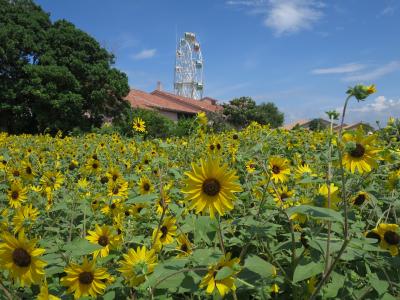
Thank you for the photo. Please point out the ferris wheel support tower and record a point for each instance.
(188, 76)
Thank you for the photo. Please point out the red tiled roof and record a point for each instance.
(195, 104)
(145, 100)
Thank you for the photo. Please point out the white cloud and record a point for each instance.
(387, 11)
(288, 16)
(144, 54)
(375, 73)
(347, 68)
(284, 16)
(379, 105)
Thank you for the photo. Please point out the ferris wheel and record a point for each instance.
(188, 77)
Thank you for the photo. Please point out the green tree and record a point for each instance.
(52, 75)
(240, 112)
(317, 125)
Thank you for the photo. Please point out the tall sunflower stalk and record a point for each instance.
(360, 92)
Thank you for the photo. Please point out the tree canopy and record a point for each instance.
(240, 112)
(53, 75)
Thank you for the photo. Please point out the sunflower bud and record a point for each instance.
(360, 92)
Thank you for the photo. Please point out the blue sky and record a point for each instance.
(300, 54)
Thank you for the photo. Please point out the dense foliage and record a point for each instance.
(52, 75)
(240, 112)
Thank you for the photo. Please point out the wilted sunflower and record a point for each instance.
(137, 264)
(85, 279)
(211, 187)
(226, 284)
(145, 186)
(162, 202)
(20, 257)
(165, 234)
(139, 125)
(390, 238)
(16, 194)
(360, 153)
(279, 168)
(105, 237)
(25, 217)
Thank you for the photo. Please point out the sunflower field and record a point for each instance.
(254, 214)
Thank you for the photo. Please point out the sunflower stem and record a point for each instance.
(221, 239)
(6, 292)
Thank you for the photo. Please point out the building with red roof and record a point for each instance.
(171, 105)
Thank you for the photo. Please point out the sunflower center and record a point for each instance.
(373, 235)
(146, 187)
(16, 173)
(115, 177)
(14, 195)
(164, 231)
(184, 248)
(103, 241)
(86, 277)
(115, 190)
(359, 199)
(284, 196)
(28, 170)
(358, 151)
(211, 187)
(95, 165)
(212, 147)
(276, 169)
(104, 179)
(21, 258)
(391, 237)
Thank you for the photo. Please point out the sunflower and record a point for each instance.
(85, 279)
(16, 194)
(93, 165)
(104, 237)
(162, 202)
(145, 186)
(44, 293)
(390, 238)
(165, 234)
(25, 216)
(279, 169)
(137, 265)
(52, 180)
(202, 118)
(27, 171)
(118, 188)
(393, 181)
(322, 198)
(139, 125)
(360, 198)
(250, 166)
(20, 257)
(283, 196)
(211, 187)
(184, 246)
(360, 154)
(226, 284)
(113, 174)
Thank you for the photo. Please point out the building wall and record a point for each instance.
(170, 115)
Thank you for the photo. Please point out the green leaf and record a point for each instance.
(142, 198)
(380, 286)
(109, 296)
(205, 229)
(204, 257)
(259, 266)
(80, 247)
(224, 273)
(306, 271)
(314, 212)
